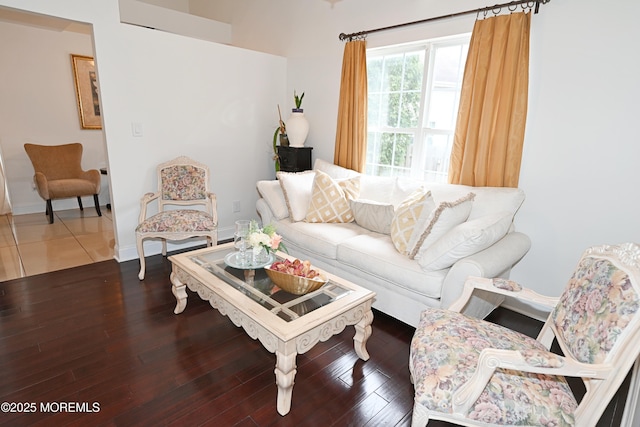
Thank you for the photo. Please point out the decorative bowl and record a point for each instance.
(293, 284)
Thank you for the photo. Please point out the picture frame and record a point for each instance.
(87, 96)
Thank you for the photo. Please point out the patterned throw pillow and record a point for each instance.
(406, 216)
(433, 225)
(330, 199)
(374, 216)
(351, 187)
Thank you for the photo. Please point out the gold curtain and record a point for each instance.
(489, 135)
(351, 133)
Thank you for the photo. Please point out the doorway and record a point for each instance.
(39, 106)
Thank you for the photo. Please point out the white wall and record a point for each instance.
(208, 101)
(581, 151)
(38, 105)
(581, 146)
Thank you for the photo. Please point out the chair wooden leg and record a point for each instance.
(140, 247)
(80, 203)
(49, 211)
(97, 203)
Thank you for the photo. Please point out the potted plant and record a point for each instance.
(298, 101)
(280, 131)
(298, 125)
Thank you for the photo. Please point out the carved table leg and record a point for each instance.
(285, 374)
(180, 292)
(363, 332)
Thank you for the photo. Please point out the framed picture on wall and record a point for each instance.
(84, 74)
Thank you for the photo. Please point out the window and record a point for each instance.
(414, 91)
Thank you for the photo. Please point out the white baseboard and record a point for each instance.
(154, 247)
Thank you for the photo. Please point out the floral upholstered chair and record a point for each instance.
(184, 183)
(474, 373)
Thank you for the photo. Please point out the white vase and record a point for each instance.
(297, 128)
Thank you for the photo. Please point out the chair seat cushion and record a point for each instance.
(63, 188)
(177, 221)
(444, 354)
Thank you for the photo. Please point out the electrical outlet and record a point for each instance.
(236, 206)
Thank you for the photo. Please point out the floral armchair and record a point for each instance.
(471, 372)
(185, 183)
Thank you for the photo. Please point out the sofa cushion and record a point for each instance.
(372, 215)
(330, 199)
(271, 192)
(464, 240)
(318, 238)
(433, 225)
(296, 187)
(406, 216)
(375, 254)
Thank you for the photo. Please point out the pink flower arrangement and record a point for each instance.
(265, 237)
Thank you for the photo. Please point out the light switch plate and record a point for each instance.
(136, 129)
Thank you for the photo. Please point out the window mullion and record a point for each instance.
(419, 154)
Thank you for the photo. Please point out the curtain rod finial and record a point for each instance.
(342, 36)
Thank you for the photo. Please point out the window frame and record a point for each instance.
(421, 133)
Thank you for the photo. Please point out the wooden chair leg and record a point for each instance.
(97, 203)
(49, 211)
(80, 203)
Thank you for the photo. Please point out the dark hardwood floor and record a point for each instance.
(96, 337)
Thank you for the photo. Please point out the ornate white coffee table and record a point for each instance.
(285, 324)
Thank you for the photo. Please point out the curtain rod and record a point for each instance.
(529, 4)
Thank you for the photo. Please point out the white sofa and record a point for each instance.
(467, 237)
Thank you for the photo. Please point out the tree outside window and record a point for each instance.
(414, 91)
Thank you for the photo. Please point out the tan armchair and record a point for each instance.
(59, 174)
(183, 184)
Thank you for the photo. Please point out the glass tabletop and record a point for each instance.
(262, 290)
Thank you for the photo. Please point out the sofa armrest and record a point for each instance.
(264, 212)
(495, 261)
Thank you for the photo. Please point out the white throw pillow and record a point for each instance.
(403, 187)
(296, 187)
(330, 199)
(464, 240)
(406, 216)
(272, 193)
(372, 215)
(433, 225)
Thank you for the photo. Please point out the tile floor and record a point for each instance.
(29, 245)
